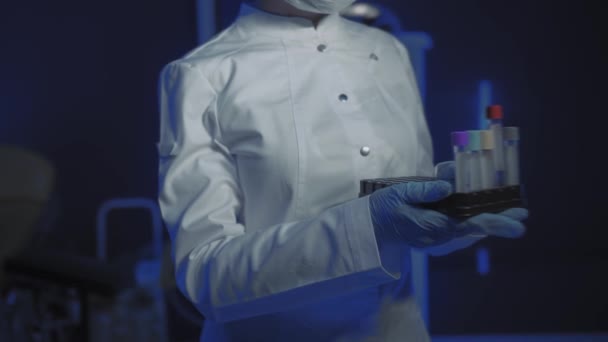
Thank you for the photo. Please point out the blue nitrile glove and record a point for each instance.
(446, 171)
(395, 216)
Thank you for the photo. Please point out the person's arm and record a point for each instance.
(231, 273)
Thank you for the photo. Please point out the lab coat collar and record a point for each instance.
(252, 19)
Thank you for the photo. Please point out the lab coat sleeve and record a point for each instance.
(424, 160)
(228, 272)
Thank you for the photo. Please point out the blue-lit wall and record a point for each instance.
(78, 83)
(540, 59)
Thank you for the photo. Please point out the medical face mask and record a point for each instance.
(320, 6)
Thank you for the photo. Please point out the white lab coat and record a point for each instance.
(264, 138)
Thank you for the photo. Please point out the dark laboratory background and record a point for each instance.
(78, 113)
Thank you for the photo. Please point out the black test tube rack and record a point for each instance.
(457, 205)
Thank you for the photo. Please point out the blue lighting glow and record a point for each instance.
(483, 261)
(485, 99)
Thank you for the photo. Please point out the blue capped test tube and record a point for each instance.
(460, 143)
(511, 145)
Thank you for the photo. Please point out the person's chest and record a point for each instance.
(306, 122)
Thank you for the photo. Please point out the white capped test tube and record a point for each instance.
(460, 142)
(511, 145)
(495, 116)
(488, 175)
(474, 149)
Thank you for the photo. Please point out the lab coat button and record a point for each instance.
(321, 47)
(365, 151)
(343, 98)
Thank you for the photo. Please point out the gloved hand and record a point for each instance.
(446, 171)
(395, 216)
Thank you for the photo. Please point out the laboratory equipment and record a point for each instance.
(495, 117)
(62, 284)
(474, 149)
(139, 313)
(488, 175)
(511, 149)
(478, 187)
(457, 205)
(397, 215)
(460, 142)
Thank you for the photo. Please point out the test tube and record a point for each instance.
(474, 149)
(511, 145)
(495, 115)
(488, 175)
(460, 142)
